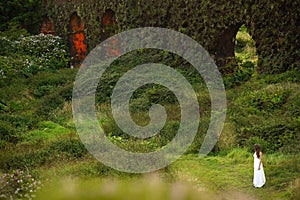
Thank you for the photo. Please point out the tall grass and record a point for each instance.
(227, 175)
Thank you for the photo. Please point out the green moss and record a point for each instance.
(46, 130)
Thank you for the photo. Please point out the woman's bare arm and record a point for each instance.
(260, 158)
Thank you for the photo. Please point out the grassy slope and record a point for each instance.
(229, 174)
(225, 175)
(233, 173)
(221, 177)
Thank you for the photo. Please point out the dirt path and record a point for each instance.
(225, 195)
(235, 195)
(213, 178)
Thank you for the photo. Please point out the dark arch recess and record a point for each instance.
(47, 26)
(78, 47)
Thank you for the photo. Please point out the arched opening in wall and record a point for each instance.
(47, 26)
(78, 47)
(245, 49)
(109, 27)
(108, 24)
(224, 50)
(108, 18)
(235, 51)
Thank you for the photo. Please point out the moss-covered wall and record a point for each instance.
(274, 25)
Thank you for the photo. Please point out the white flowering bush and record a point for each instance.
(18, 185)
(30, 54)
(47, 51)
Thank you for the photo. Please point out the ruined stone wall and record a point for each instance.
(273, 25)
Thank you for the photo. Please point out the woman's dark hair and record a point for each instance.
(257, 149)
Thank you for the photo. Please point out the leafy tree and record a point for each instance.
(26, 13)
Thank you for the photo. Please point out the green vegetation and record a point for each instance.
(18, 184)
(227, 175)
(21, 13)
(38, 136)
(245, 46)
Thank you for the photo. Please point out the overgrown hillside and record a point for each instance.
(37, 132)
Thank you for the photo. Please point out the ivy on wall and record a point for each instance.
(274, 25)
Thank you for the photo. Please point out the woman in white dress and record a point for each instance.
(259, 178)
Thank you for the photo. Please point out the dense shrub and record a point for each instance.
(240, 75)
(267, 114)
(13, 32)
(265, 145)
(13, 66)
(267, 99)
(293, 108)
(48, 51)
(31, 54)
(290, 76)
(54, 78)
(72, 148)
(35, 99)
(46, 152)
(13, 127)
(7, 132)
(48, 104)
(64, 91)
(6, 46)
(275, 135)
(51, 90)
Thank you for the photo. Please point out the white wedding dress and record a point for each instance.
(259, 178)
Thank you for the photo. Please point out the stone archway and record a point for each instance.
(276, 34)
(245, 46)
(109, 26)
(78, 47)
(108, 23)
(234, 45)
(47, 26)
(108, 18)
(224, 49)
